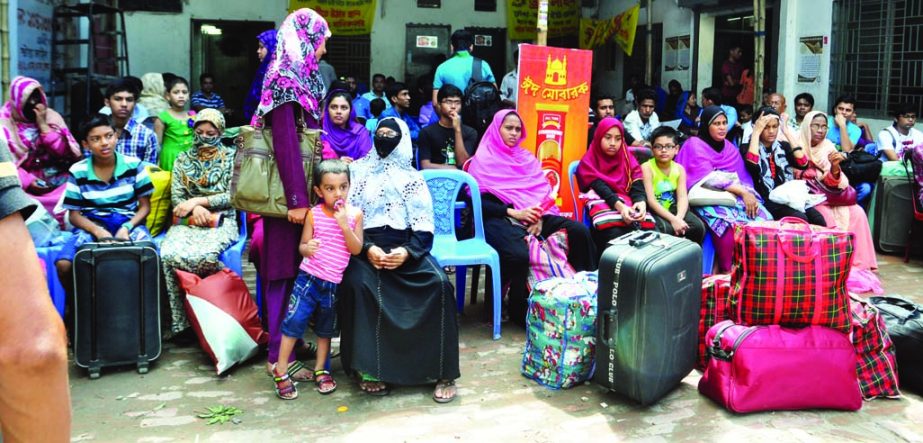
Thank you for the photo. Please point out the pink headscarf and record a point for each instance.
(511, 174)
(23, 134)
(619, 172)
(293, 75)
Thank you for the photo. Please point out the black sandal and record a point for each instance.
(444, 385)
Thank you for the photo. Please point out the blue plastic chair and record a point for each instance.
(579, 215)
(444, 186)
(231, 257)
(55, 289)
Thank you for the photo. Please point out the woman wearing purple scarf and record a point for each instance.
(291, 89)
(705, 153)
(267, 46)
(342, 133)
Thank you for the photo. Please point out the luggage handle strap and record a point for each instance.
(715, 349)
(786, 248)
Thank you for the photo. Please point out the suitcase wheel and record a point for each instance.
(142, 367)
(94, 373)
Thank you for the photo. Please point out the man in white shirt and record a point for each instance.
(641, 122)
(895, 139)
(509, 87)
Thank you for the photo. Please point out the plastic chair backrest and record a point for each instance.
(572, 179)
(444, 185)
(915, 194)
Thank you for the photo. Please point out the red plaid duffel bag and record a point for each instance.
(876, 361)
(790, 273)
(715, 289)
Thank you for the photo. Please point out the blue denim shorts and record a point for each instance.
(311, 296)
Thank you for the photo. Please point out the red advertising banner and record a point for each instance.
(553, 100)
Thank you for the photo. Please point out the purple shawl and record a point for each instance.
(353, 142)
(700, 159)
(268, 39)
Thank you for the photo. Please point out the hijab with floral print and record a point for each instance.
(293, 75)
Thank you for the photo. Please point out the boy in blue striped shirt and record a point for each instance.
(107, 195)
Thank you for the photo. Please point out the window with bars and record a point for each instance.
(878, 53)
(429, 3)
(485, 5)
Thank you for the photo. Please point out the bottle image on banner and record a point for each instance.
(549, 143)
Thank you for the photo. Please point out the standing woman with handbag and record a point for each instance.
(825, 168)
(292, 89)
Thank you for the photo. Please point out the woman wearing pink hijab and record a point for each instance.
(42, 146)
(517, 201)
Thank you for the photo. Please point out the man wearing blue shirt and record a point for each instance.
(400, 104)
(378, 91)
(457, 70)
(843, 133)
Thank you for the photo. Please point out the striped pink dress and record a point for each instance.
(331, 259)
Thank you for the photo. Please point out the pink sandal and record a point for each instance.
(285, 387)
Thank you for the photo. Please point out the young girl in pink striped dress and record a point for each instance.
(332, 231)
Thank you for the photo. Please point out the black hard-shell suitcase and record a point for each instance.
(116, 306)
(649, 299)
(893, 214)
(904, 320)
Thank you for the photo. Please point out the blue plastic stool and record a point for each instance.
(58, 296)
(708, 255)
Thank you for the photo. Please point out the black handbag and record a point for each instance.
(904, 321)
(861, 167)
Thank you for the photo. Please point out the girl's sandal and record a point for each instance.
(445, 385)
(324, 382)
(285, 387)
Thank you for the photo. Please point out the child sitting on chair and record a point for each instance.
(665, 186)
(332, 231)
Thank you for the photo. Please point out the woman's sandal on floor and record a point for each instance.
(366, 381)
(324, 382)
(294, 369)
(445, 385)
(285, 387)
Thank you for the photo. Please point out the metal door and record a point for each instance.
(426, 47)
(490, 45)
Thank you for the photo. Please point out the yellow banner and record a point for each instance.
(595, 33)
(345, 17)
(522, 18)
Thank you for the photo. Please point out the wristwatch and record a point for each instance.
(128, 226)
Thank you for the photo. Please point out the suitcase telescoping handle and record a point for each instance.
(643, 238)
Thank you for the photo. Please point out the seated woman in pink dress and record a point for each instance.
(40, 143)
(825, 161)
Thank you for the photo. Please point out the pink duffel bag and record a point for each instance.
(768, 368)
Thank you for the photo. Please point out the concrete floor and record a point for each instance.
(495, 403)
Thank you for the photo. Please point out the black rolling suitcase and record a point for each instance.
(649, 299)
(116, 306)
(893, 214)
(904, 320)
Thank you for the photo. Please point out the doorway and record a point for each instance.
(227, 50)
(490, 46)
(634, 66)
(736, 30)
